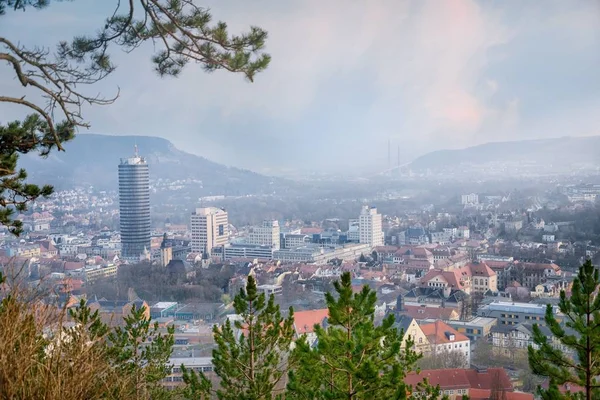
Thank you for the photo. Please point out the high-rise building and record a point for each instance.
(265, 235)
(134, 207)
(210, 229)
(370, 226)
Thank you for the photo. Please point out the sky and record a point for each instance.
(349, 77)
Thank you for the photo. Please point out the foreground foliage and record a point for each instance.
(251, 355)
(353, 358)
(579, 335)
(50, 353)
(64, 78)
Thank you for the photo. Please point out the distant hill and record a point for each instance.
(93, 159)
(567, 152)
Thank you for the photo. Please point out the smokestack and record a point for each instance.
(389, 154)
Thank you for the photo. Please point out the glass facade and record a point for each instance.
(134, 207)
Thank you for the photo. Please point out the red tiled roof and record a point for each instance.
(538, 266)
(455, 378)
(71, 265)
(486, 394)
(497, 264)
(420, 312)
(310, 231)
(421, 252)
(454, 277)
(304, 321)
(567, 387)
(436, 333)
(481, 269)
(385, 249)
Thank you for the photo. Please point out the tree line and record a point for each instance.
(70, 353)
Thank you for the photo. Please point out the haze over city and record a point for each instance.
(347, 77)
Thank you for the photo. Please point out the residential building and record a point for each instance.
(265, 235)
(510, 338)
(305, 321)
(455, 279)
(134, 207)
(445, 339)
(483, 278)
(210, 229)
(513, 226)
(475, 328)
(421, 312)
(531, 274)
(370, 226)
(113, 312)
(440, 237)
(481, 383)
(416, 235)
(502, 270)
(548, 238)
(463, 232)
(412, 331)
(93, 273)
(469, 199)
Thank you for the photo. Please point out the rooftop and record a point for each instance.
(164, 304)
(516, 307)
(190, 361)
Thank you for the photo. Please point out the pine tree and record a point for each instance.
(353, 358)
(139, 351)
(62, 80)
(50, 353)
(579, 333)
(251, 357)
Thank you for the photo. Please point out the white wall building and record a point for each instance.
(472, 198)
(210, 228)
(265, 235)
(370, 226)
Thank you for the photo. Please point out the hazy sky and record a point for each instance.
(349, 75)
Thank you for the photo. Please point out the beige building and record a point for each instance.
(210, 229)
(443, 338)
(483, 278)
(265, 235)
(412, 330)
(370, 227)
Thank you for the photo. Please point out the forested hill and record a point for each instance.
(569, 152)
(93, 159)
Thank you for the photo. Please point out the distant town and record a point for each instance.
(466, 280)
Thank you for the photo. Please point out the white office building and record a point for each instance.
(370, 227)
(210, 229)
(265, 235)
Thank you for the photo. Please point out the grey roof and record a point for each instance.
(403, 322)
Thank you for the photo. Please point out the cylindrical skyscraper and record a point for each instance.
(134, 207)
